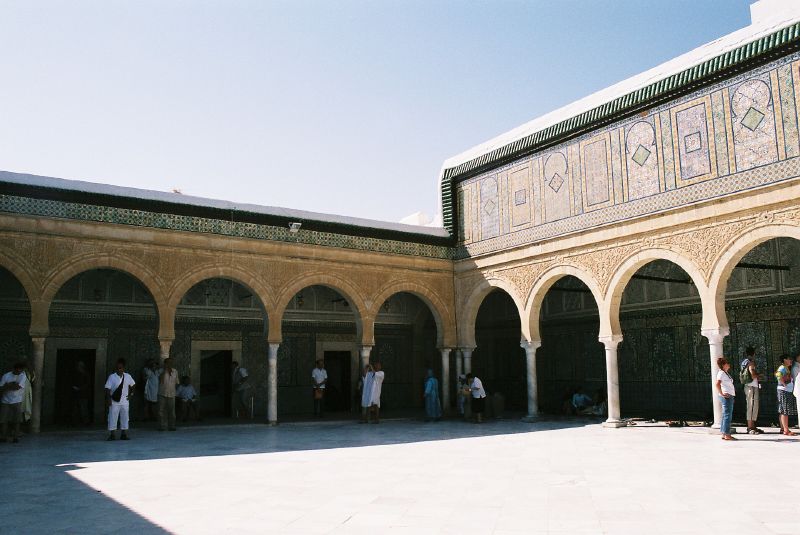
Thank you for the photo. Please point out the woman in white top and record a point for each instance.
(795, 373)
(727, 394)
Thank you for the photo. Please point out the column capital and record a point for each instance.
(716, 335)
(38, 339)
(365, 348)
(468, 349)
(273, 350)
(445, 350)
(611, 341)
(530, 346)
(165, 345)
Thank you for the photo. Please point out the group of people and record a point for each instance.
(163, 388)
(788, 391)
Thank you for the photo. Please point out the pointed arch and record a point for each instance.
(469, 314)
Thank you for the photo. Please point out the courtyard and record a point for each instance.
(402, 476)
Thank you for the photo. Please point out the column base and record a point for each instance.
(532, 418)
(272, 423)
(614, 424)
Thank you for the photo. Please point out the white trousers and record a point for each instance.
(118, 411)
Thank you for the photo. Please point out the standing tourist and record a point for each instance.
(320, 377)
(167, 385)
(727, 395)
(151, 373)
(749, 378)
(27, 397)
(367, 381)
(461, 393)
(478, 396)
(119, 389)
(12, 386)
(240, 387)
(375, 397)
(795, 373)
(433, 408)
(786, 403)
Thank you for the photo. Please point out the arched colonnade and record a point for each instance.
(365, 295)
(709, 262)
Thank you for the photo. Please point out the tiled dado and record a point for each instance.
(125, 216)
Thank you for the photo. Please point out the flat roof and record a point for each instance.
(166, 202)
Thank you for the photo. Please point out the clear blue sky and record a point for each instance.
(346, 107)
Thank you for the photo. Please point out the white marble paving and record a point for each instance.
(505, 477)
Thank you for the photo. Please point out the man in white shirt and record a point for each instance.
(320, 377)
(167, 384)
(240, 387)
(119, 389)
(375, 396)
(478, 396)
(12, 386)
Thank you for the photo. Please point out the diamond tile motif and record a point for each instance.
(693, 142)
(556, 182)
(752, 119)
(489, 207)
(641, 155)
(520, 197)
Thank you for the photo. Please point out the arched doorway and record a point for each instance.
(319, 323)
(15, 320)
(762, 309)
(498, 360)
(218, 322)
(663, 359)
(96, 317)
(406, 346)
(571, 359)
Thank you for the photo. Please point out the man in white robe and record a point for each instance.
(375, 398)
(366, 391)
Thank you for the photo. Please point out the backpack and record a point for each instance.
(745, 376)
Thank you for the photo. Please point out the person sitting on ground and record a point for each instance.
(749, 377)
(786, 403)
(187, 396)
(581, 402)
(12, 386)
(600, 407)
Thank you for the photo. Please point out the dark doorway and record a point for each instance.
(215, 383)
(337, 389)
(74, 387)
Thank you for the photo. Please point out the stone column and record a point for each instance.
(533, 386)
(365, 351)
(467, 354)
(272, 380)
(715, 339)
(612, 380)
(38, 371)
(445, 380)
(166, 344)
(459, 367)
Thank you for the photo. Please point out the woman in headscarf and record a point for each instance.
(433, 408)
(786, 404)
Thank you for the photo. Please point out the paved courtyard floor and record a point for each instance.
(503, 477)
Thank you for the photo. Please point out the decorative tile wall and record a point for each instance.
(736, 135)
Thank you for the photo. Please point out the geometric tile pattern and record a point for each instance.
(715, 141)
(125, 216)
(752, 119)
(641, 155)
